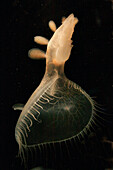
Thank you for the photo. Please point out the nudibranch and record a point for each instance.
(59, 109)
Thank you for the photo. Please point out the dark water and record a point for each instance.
(90, 66)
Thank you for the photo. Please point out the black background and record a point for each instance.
(90, 66)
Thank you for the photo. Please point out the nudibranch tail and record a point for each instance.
(60, 45)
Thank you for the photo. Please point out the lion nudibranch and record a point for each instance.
(59, 109)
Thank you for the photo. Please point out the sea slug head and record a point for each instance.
(60, 45)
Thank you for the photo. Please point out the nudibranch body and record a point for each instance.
(59, 109)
